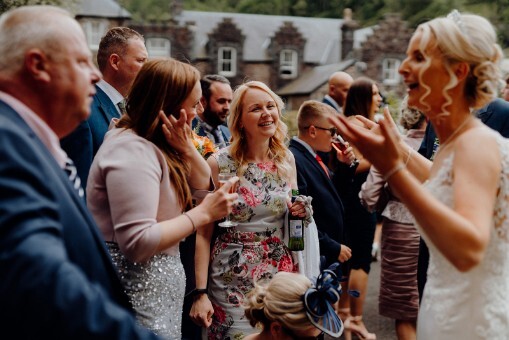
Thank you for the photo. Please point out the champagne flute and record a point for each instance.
(340, 145)
(223, 178)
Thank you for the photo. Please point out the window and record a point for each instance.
(227, 61)
(158, 47)
(288, 64)
(94, 31)
(390, 73)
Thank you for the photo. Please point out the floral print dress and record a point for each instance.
(250, 252)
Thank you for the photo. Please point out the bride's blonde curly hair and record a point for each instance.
(465, 38)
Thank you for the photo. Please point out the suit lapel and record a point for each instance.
(311, 159)
(107, 107)
(52, 164)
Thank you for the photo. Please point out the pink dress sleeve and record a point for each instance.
(132, 173)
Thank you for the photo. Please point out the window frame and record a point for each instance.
(291, 65)
(390, 75)
(94, 38)
(222, 61)
(161, 51)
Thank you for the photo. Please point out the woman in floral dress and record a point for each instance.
(253, 250)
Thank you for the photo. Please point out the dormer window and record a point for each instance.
(390, 74)
(94, 31)
(227, 61)
(288, 60)
(158, 47)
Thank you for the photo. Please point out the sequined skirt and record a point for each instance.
(156, 290)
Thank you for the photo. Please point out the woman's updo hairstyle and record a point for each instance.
(280, 300)
(410, 118)
(472, 39)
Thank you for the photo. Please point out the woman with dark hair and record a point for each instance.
(141, 187)
(363, 99)
(399, 297)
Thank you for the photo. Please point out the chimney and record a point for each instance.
(347, 29)
(176, 7)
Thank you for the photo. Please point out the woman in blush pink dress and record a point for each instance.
(141, 186)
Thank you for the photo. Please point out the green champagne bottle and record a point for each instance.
(295, 228)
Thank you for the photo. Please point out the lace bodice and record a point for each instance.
(474, 304)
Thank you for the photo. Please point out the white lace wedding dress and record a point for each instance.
(475, 304)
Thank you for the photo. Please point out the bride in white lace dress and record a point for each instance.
(462, 208)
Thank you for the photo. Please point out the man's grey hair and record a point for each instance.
(28, 27)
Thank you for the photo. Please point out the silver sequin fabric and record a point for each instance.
(156, 290)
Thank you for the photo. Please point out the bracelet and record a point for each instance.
(410, 150)
(199, 291)
(395, 169)
(190, 219)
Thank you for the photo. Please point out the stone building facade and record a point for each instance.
(293, 55)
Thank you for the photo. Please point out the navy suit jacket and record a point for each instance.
(495, 115)
(327, 101)
(82, 144)
(57, 278)
(327, 206)
(200, 131)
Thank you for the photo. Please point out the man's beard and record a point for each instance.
(212, 118)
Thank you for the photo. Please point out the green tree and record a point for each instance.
(6, 5)
(148, 10)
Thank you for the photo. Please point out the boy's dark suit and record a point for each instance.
(327, 207)
(57, 279)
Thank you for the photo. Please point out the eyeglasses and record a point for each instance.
(333, 131)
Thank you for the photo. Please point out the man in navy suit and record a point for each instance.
(339, 84)
(496, 116)
(57, 279)
(216, 98)
(314, 178)
(121, 55)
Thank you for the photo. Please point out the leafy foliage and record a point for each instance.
(6, 5)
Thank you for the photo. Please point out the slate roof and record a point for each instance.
(322, 35)
(311, 80)
(101, 9)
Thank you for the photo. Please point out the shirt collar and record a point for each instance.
(39, 126)
(306, 145)
(111, 92)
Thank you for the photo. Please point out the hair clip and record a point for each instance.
(456, 17)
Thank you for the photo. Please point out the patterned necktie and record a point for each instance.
(319, 159)
(121, 106)
(71, 171)
(218, 138)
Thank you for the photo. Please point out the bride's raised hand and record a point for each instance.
(379, 144)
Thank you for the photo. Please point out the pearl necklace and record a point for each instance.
(454, 133)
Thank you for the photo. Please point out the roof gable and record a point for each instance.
(322, 35)
(101, 9)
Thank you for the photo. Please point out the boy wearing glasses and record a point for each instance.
(314, 179)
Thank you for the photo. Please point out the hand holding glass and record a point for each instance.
(339, 144)
(223, 178)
